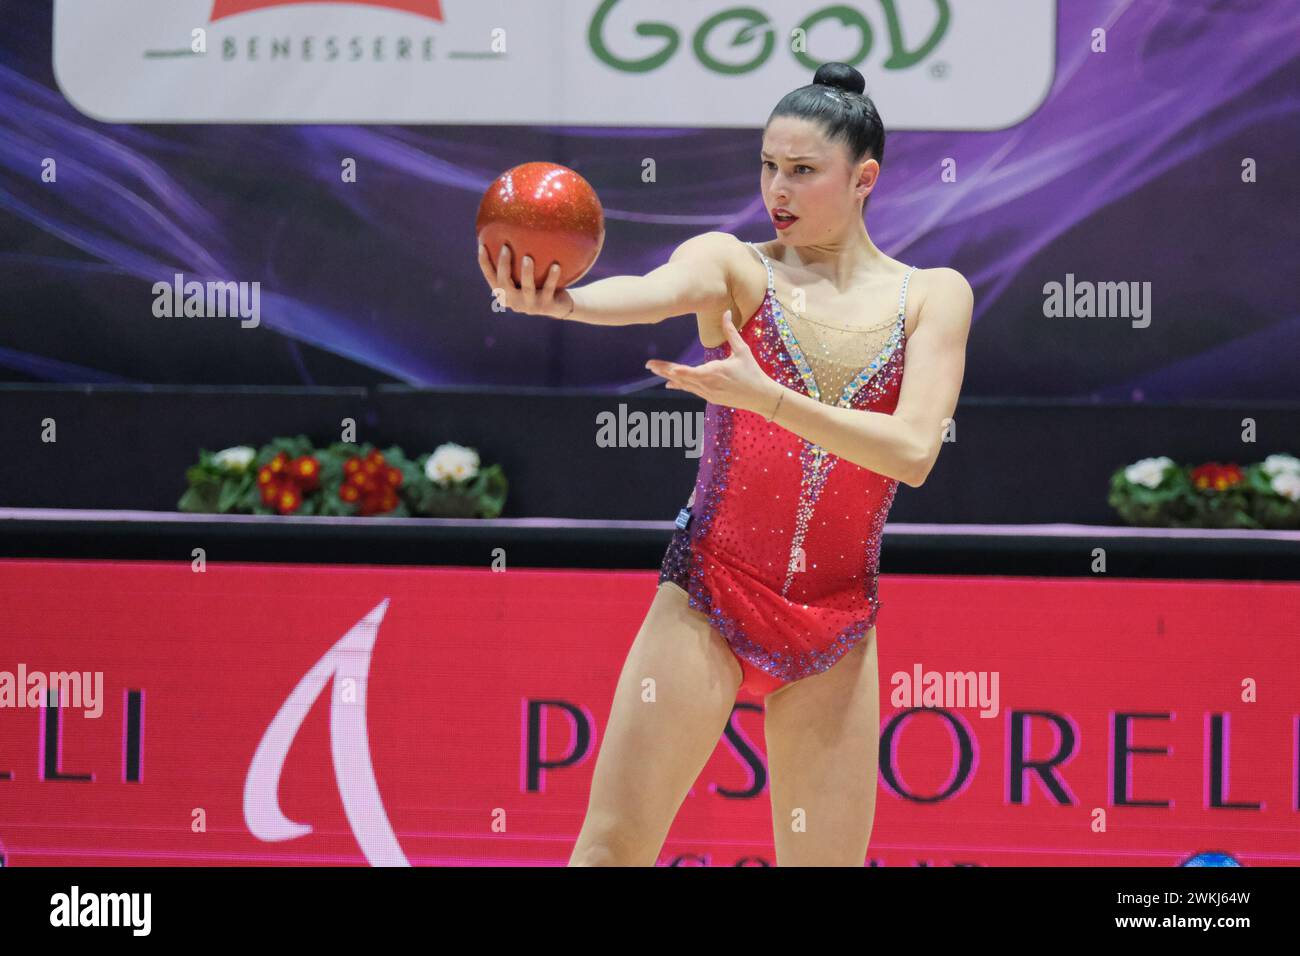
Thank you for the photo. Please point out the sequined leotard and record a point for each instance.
(781, 544)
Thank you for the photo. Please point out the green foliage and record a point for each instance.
(482, 496)
(214, 490)
(293, 447)
(1267, 507)
(1177, 503)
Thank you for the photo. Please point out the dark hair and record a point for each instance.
(835, 99)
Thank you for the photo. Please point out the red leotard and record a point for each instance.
(782, 549)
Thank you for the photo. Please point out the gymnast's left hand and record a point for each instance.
(736, 381)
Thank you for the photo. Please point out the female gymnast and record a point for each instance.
(836, 388)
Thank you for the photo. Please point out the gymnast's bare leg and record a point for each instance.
(823, 758)
(652, 752)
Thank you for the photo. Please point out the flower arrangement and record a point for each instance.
(1156, 492)
(290, 476)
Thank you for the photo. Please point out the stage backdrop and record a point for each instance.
(271, 714)
(1135, 154)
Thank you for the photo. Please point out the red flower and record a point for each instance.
(1214, 476)
(288, 500)
(306, 472)
(283, 481)
(370, 484)
(379, 503)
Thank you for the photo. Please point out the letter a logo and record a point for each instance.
(348, 664)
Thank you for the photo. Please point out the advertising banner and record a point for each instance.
(325, 715)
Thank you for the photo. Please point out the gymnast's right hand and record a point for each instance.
(525, 297)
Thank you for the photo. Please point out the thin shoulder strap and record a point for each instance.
(771, 279)
(902, 296)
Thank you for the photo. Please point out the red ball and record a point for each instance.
(545, 211)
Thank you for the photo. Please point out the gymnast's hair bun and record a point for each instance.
(841, 76)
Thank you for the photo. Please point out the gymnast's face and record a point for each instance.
(812, 178)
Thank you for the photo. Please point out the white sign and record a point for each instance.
(929, 64)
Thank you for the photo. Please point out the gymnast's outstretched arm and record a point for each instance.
(695, 278)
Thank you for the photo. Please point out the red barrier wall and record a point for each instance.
(280, 714)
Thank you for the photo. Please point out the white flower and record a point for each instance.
(1287, 484)
(1279, 464)
(1148, 471)
(235, 460)
(451, 462)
